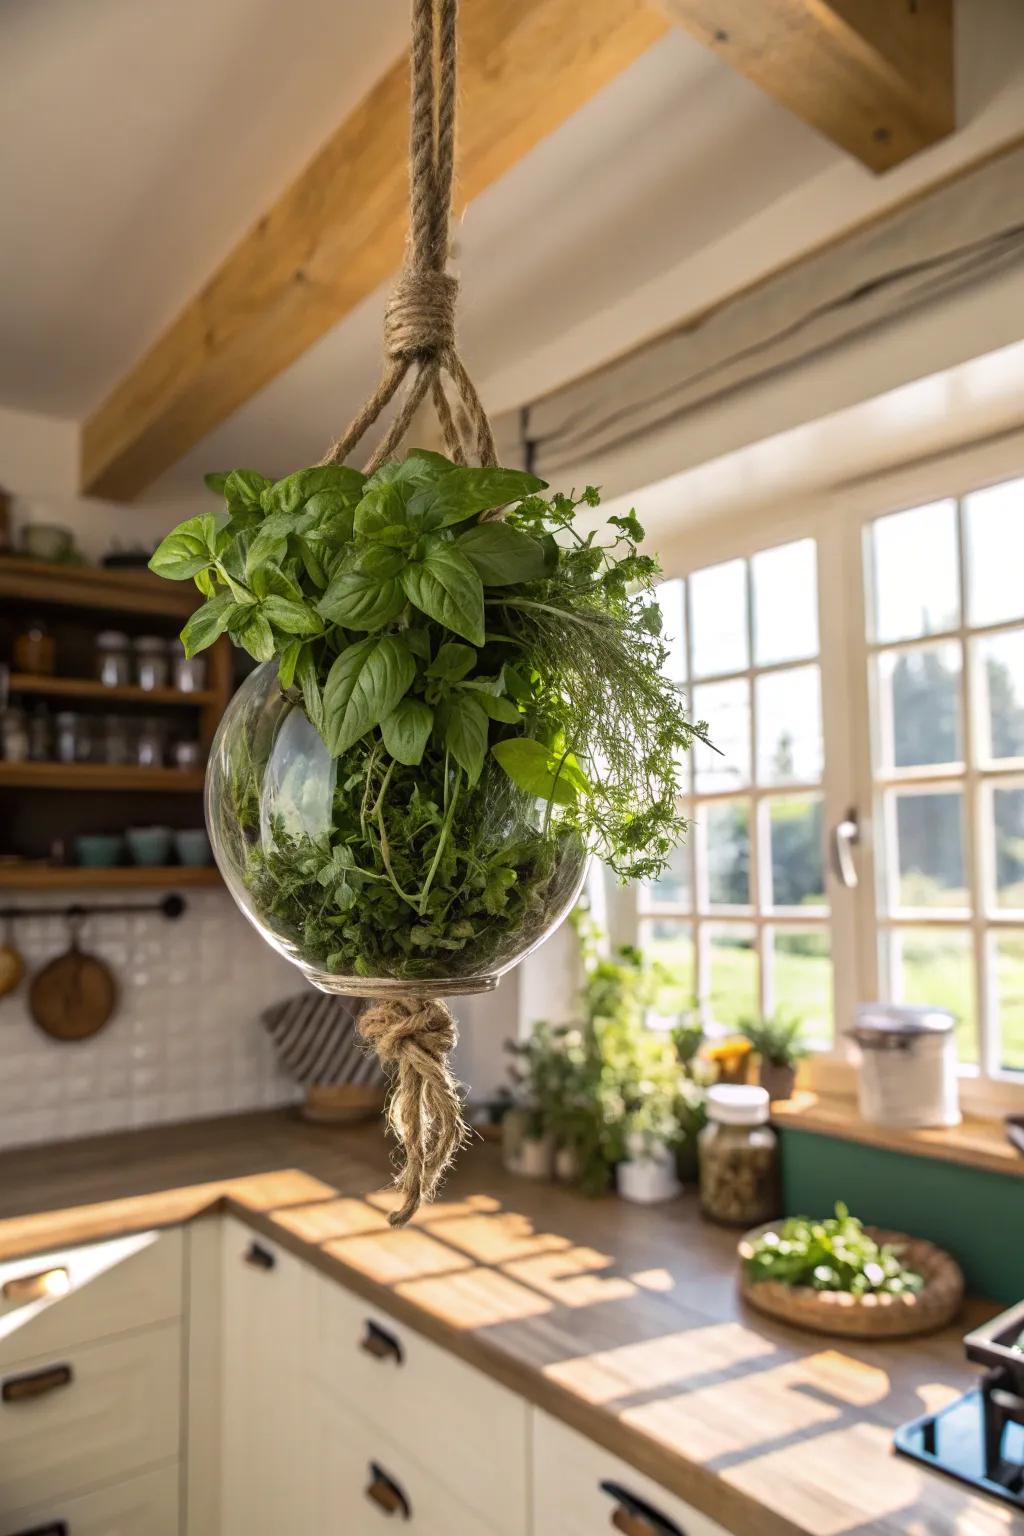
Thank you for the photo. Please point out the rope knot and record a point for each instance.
(419, 321)
(413, 1038)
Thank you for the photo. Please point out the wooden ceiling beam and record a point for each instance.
(874, 76)
(339, 229)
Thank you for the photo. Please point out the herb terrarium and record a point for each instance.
(451, 713)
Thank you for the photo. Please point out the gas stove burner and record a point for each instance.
(979, 1439)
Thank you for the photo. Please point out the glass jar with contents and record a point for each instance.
(118, 746)
(34, 650)
(738, 1155)
(113, 659)
(14, 742)
(189, 671)
(73, 738)
(40, 735)
(149, 744)
(152, 664)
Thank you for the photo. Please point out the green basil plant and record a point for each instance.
(486, 687)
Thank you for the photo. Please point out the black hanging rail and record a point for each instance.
(170, 907)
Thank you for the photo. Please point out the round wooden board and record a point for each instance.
(72, 997)
(863, 1317)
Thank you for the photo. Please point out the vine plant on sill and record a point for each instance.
(462, 670)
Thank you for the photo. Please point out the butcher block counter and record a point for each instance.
(622, 1321)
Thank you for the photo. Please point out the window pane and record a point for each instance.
(936, 968)
(802, 978)
(726, 708)
(673, 889)
(789, 741)
(1008, 846)
(914, 570)
(671, 597)
(919, 706)
(1008, 951)
(1001, 683)
(928, 859)
(785, 603)
(718, 599)
(995, 553)
(727, 840)
(670, 942)
(733, 988)
(797, 866)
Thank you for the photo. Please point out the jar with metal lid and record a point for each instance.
(738, 1155)
(908, 1067)
(189, 671)
(152, 664)
(74, 742)
(113, 658)
(14, 742)
(149, 744)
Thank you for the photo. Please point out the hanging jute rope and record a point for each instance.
(413, 1036)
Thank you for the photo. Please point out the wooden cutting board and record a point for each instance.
(72, 997)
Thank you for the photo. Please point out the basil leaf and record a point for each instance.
(289, 494)
(532, 766)
(406, 730)
(465, 733)
(215, 481)
(310, 557)
(419, 467)
(452, 662)
(288, 662)
(418, 642)
(294, 618)
(499, 709)
(207, 623)
(187, 549)
(305, 672)
(257, 637)
(366, 682)
(445, 587)
(500, 555)
(368, 594)
(382, 516)
(245, 487)
(463, 492)
(205, 583)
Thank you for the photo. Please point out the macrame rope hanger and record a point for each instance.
(414, 1035)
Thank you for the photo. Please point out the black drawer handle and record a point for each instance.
(634, 1517)
(18, 1389)
(45, 1282)
(376, 1341)
(58, 1528)
(386, 1494)
(259, 1257)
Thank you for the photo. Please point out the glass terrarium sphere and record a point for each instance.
(281, 814)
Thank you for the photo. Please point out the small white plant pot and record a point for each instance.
(536, 1157)
(646, 1180)
(567, 1165)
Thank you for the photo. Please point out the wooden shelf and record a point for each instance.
(90, 688)
(98, 776)
(45, 877)
(85, 586)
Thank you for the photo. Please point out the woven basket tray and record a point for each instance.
(863, 1317)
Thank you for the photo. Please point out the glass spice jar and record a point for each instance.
(189, 671)
(113, 658)
(149, 744)
(738, 1155)
(152, 663)
(14, 735)
(73, 742)
(34, 650)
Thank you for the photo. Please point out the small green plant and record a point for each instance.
(776, 1039)
(831, 1255)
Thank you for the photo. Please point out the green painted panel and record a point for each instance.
(975, 1215)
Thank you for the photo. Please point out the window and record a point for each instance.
(742, 915)
(867, 657)
(945, 631)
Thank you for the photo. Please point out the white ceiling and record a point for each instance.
(141, 140)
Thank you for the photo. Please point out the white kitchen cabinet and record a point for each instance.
(580, 1489)
(363, 1479)
(468, 1430)
(267, 1415)
(146, 1505)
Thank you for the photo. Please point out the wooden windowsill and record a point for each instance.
(974, 1143)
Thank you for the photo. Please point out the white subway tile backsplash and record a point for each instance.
(185, 1041)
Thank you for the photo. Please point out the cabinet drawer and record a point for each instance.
(53, 1301)
(93, 1414)
(580, 1490)
(363, 1479)
(141, 1506)
(471, 1432)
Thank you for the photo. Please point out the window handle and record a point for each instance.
(845, 837)
(635, 1517)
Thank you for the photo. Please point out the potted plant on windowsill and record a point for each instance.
(776, 1041)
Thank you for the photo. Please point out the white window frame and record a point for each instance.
(837, 520)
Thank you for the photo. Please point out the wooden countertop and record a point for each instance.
(621, 1320)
